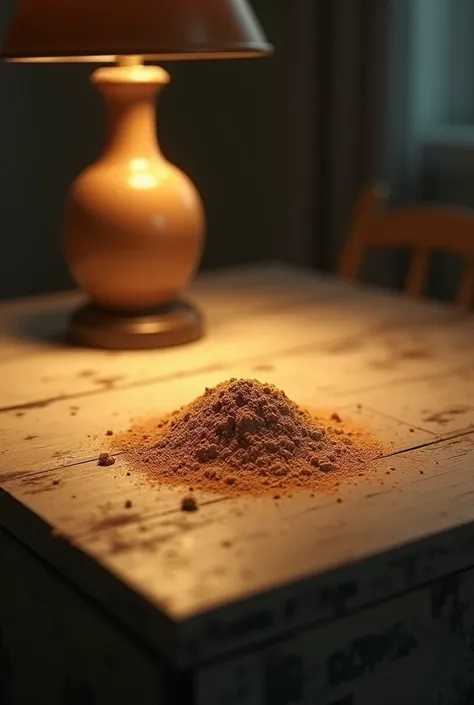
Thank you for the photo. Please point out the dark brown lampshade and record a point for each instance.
(101, 30)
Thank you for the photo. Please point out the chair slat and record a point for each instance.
(465, 291)
(368, 207)
(417, 273)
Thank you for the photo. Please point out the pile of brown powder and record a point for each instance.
(245, 437)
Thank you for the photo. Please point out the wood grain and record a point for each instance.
(239, 571)
(272, 315)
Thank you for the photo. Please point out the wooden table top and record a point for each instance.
(240, 570)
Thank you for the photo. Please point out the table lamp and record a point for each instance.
(134, 223)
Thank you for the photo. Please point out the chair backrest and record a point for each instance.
(418, 228)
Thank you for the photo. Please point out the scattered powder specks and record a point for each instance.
(189, 504)
(105, 459)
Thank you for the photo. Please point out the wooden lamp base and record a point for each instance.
(177, 323)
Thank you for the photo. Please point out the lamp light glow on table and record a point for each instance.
(134, 223)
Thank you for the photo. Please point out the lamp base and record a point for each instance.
(177, 323)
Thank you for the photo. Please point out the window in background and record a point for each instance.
(431, 107)
(443, 100)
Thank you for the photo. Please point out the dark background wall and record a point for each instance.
(216, 121)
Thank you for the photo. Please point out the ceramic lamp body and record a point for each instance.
(134, 225)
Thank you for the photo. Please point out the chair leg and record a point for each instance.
(416, 279)
(369, 206)
(351, 259)
(465, 291)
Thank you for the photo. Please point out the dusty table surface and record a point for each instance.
(242, 570)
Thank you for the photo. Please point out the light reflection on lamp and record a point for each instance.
(134, 223)
(143, 175)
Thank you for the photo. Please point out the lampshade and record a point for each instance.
(101, 30)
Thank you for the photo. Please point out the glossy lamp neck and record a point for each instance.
(130, 93)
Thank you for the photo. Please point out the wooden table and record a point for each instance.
(370, 600)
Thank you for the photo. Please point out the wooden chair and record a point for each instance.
(419, 228)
